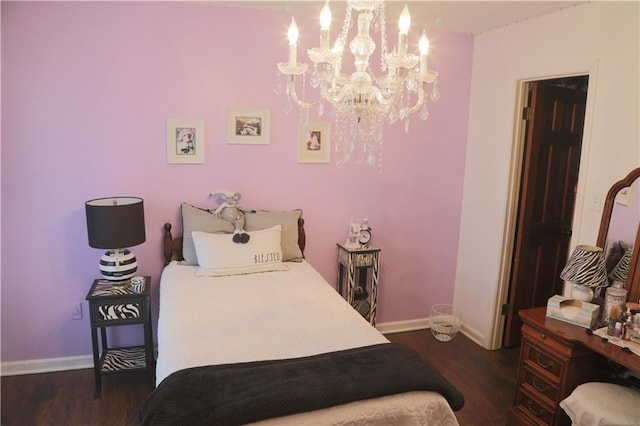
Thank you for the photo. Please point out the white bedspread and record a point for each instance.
(272, 315)
(266, 316)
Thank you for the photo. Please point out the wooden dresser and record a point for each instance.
(555, 358)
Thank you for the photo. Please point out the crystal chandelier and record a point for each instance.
(361, 101)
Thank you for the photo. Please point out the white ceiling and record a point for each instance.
(472, 17)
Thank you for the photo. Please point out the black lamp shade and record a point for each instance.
(115, 223)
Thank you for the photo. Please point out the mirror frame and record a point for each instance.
(633, 279)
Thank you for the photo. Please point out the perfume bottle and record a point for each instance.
(617, 332)
(627, 327)
(614, 317)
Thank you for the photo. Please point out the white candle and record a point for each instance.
(325, 25)
(292, 34)
(404, 23)
(423, 45)
(338, 47)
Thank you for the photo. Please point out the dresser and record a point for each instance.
(556, 357)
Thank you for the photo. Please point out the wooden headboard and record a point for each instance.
(172, 247)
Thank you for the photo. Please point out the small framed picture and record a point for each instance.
(185, 141)
(248, 126)
(624, 196)
(314, 143)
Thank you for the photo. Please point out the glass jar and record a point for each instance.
(615, 296)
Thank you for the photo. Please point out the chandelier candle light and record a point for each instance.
(361, 101)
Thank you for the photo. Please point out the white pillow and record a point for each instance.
(218, 255)
(600, 404)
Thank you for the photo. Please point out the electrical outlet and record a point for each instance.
(76, 311)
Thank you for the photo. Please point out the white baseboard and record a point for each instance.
(33, 366)
(473, 335)
(49, 365)
(402, 326)
(423, 324)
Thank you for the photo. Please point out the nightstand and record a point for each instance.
(112, 305)
(363, 262)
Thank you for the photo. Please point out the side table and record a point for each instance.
(115, 304)
(358, 261)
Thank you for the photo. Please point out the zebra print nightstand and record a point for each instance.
(357, 261)
(114, 305)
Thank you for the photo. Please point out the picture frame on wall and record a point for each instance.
(185, 141)
(248, 126)
(624, 196)
(314, 143)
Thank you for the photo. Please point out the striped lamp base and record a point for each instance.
(118, 265)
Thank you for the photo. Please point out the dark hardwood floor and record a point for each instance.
(486, 379)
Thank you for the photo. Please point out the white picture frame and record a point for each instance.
(314, 143)
(624, 196)
(249, 126)
(185, 141)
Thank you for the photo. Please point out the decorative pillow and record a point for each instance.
(596, 403)
(197, 219)
(261, 219)
(218, 255)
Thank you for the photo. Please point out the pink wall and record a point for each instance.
(87, 88)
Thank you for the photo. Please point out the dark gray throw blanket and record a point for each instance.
(234, 394)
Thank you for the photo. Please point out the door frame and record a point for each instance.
(515, 168)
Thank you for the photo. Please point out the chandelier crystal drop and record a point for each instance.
(361, 101)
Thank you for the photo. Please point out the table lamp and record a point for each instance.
(585, 270)
(114, 224)
(621, 271)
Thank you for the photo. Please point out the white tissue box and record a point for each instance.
(573, 311)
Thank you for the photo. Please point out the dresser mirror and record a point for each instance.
(620, 225)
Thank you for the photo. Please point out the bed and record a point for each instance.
(277, 346)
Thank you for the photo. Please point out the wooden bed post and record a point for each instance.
(167, 244)
(302, 236)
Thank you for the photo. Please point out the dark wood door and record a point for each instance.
(547, 197)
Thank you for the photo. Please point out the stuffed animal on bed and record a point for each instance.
(227, 210)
